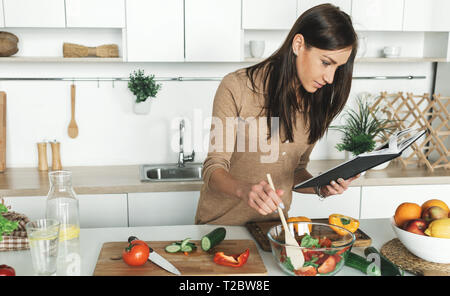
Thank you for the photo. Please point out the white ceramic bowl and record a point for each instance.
(392, 51)
(433, 249)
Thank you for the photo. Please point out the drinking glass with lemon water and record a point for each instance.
(43, 240)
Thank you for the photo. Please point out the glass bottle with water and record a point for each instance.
(62, 205)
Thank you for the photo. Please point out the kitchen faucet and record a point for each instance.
(181, 157)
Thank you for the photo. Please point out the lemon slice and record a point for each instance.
(68, 232)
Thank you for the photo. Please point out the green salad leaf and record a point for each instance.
(288, 264)
(309, 242)
(6, 226)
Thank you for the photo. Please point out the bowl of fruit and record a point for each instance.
(424, 230)
(324, 247)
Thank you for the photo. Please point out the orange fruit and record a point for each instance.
(407, 211)
(299, 219)
(433, 203)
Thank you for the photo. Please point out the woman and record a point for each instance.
(291, 98)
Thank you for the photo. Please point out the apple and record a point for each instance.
(434, 213)
(416, 226)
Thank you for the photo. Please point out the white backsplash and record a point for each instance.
(111, 134)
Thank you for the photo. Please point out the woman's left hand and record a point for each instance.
(337, 187)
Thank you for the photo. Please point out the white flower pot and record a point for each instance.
(142, 108)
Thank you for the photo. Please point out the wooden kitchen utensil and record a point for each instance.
(259, 232)
(73, 127)
(197, 263)
(2, 131)
(292, 247)
(71, 50)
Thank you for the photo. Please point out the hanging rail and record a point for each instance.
(99, 79)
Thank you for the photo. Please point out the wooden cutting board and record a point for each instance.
(259, 232)
(198, 262)
(2, 131)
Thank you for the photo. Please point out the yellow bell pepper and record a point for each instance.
(349, 223)
(299, 219)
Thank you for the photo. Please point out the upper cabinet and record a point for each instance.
(268, 14)
(155, 30)
(2, 19)
(344, 5)
(34, 13)
(426, 15)
(213, 30)
(379, 15)
(95, 13)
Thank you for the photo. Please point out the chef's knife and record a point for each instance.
(158, 259)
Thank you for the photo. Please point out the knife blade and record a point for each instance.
(162, 262)
(158, 259)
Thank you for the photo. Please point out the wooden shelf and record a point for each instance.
(60, 60)
(399, 60)
(377, 60)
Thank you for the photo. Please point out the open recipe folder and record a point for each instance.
(362, 162)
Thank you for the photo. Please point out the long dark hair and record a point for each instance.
(325, 27)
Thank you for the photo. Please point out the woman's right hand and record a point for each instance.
(262, 198)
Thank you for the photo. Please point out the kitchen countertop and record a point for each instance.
(91, 241)
(126, 179)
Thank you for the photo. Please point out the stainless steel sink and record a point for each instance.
(171, 172)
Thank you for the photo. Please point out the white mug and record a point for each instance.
(392, 51)
(257, 48)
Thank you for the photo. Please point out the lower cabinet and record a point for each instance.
(310, 206)
(162, 208)
(99, 210)
(382, 201)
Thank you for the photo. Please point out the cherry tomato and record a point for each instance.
(136, 253)
(6, 270)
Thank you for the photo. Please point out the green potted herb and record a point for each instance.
(362, 128)
(143, 87)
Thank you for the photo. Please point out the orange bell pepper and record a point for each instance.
(349, 223)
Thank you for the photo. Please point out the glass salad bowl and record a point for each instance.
(325, 247)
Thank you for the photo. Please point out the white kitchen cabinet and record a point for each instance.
(162, 208)
(426, 15)
(268, 14)
(310, 206)
(95, 13)
(213, 31)
(155, 30)
(382, 201)
(103, 210)
(379, 15)
(2, 18)
(100, 210)
(34, 13)
(344, 5)
(31, 206)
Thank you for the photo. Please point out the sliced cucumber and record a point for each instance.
(184, 243)
(186, 248)
(173, 248)
(213, 238)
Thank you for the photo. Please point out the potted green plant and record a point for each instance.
(362, 128)
(143, 87)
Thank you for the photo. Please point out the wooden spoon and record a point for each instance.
(293, 250)
(73, 127)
